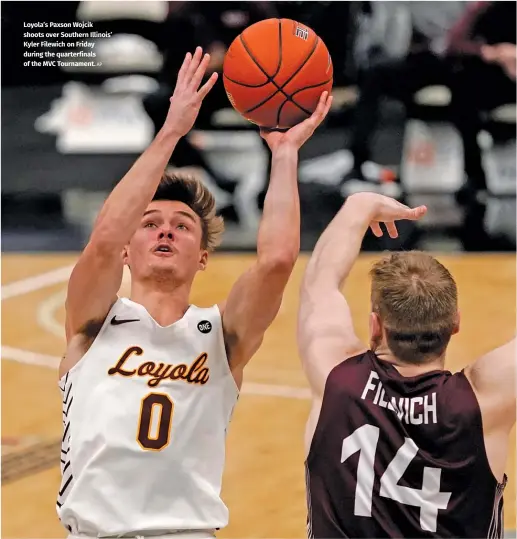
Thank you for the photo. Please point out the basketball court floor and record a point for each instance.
(264, 479)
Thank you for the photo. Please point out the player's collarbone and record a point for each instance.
(195, 373)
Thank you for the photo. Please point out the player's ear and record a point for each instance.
(456, 324)
(203, 260)
(375, 326)
(125, 255)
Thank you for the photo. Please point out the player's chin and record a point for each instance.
(163, 262)
(159, 261)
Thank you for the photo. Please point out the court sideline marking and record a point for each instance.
(46, 320)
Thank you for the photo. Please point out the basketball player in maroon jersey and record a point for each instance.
(396, 445)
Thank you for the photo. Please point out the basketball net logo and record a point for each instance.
(302, 33)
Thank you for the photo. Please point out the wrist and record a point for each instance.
(361, 208)
(168, 135)
(364, 202)
(284, 149)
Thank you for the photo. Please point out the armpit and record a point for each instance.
(230, 341)
(91, 329)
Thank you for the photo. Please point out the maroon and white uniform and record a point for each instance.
(400, 457)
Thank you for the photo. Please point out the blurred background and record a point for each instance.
(420, 112)
(424, 110)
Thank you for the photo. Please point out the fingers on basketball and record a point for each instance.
(326, 102)
(322, 109)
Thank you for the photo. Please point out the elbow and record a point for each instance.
(317, 281)
(310, 291)
(280, 256)
(104, 243)
(279, 264)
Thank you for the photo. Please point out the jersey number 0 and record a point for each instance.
(155, 403)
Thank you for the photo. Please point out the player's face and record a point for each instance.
(167, 243)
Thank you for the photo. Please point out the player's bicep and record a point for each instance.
(493, 378)
(92, 288)
(251, 307)
(326, 334)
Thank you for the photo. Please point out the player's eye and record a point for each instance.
(149, 225)
(182, 226)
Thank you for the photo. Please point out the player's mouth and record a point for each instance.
(163, 249)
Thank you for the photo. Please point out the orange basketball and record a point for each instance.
(275, 72)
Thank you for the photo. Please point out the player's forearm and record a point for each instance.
(279, 231)
(338, 247)
(124, 207)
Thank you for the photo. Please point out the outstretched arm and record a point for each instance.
(326, 333)
(255, 299)
(97, 276)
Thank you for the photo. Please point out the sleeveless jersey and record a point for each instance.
(394, 456)
(145, 414)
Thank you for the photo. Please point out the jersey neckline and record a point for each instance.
(391, 371)
(179, 323)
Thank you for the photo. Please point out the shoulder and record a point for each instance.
(80, 342)
(211, 311)
(351, 370)
(206, 319)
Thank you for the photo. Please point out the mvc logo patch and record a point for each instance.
(301, 32)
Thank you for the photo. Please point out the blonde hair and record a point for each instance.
(197, 197)
(417, 301)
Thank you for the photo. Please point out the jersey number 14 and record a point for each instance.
(428, 498)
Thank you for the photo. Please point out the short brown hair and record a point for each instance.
(417, 301)
(198, 198)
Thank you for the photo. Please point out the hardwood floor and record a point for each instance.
(264, 483)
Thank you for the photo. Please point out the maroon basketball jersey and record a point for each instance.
(400, 457)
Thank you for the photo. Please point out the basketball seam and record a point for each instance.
(311, 87)
(295, 103)
(279, 48)
(289, 98)
(256, 63)
(246, 85)
(278, 88)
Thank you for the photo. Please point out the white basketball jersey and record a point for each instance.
(145, 414)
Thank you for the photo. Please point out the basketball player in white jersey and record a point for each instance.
(149, 382)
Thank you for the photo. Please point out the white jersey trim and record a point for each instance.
(223, 349)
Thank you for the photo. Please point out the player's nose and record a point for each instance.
(165, 232)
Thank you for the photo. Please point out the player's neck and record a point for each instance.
(165, 305)
(408, 369)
